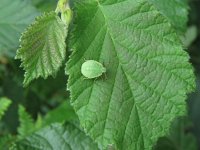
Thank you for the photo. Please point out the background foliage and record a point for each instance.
(30, 112)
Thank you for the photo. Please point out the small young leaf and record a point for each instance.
(26, 123)
(4, 104)
(60, 114)
(190, 36)
(58, 137)
(43, 47)
(6, 141)
(148, 73)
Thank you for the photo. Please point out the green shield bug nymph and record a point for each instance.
(92, 69)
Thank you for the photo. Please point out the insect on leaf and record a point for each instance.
(92, 69)
(147, 82)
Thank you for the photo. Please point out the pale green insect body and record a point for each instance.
(92, 69)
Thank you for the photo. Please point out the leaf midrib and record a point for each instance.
(119, 65)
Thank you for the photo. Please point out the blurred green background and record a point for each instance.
(43, 96)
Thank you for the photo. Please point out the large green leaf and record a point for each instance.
(175, 10)
(147, 78)
(14, 17)
(4, 104)
(43, 47)
(57, 137)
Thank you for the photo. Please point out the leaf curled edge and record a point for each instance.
(147, 81)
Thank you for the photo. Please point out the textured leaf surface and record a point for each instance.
(15, 16)
(58, 137)
(43, 47)
(175, 10)
(148, 74)
(4, 104)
